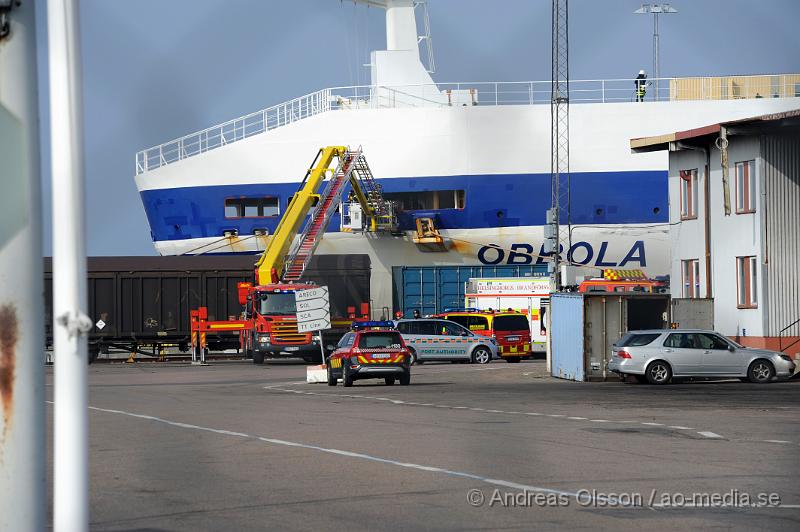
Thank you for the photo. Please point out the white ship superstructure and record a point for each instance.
(474, 157)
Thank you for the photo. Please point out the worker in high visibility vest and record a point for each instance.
(640, 83)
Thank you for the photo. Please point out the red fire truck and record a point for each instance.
(268, 325)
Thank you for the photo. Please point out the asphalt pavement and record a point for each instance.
(233, 446)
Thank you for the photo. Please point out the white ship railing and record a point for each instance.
(461, 94)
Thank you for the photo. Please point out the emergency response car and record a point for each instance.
(510, 328)
(373, 350)
(435, 339)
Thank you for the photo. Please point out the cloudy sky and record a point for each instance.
(154, 70)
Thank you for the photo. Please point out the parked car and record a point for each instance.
(435, 339)
(656, 356)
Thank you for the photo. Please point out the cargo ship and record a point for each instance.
(473, 158)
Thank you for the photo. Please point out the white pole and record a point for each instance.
(322, 347)
(71, 484)
(22, 420)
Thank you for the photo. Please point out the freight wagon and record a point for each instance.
(142, 304)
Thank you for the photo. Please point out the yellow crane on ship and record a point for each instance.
(285, 258)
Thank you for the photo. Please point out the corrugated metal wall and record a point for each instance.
(782, 183)
(566, 335)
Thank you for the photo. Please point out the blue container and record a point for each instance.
(432, 289)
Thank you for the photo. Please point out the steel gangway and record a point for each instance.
(352, 169)
(382, 210)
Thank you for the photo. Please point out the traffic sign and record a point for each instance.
(314, 325)
(313, 315)
(312, 304)
(311, 293)
(313, 309)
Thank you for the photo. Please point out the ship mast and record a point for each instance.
(401, 26)
(397, 73)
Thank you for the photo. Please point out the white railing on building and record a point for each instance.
(461, 94)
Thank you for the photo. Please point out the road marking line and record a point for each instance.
(609, 501)
(507, 412)
(361, 456)
(285, 384)
(777, 441)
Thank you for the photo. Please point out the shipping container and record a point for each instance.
(432, 289)
(141, 303)
(584, 326)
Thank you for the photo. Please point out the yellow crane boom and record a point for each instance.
(271, 266)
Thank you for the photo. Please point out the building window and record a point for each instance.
(690, 277)
(252, 208)
(688, 194)
(746, 282)
(746, 187)
(776, 86)
(427, 200)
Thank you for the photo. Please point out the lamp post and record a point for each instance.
(655, 10)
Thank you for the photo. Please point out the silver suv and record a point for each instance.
(432, 339)
(658, 355)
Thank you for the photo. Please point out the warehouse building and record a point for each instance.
(734, 212)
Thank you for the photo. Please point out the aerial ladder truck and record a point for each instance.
(269, 322)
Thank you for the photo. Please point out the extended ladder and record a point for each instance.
(352, 168)
(301, 251)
